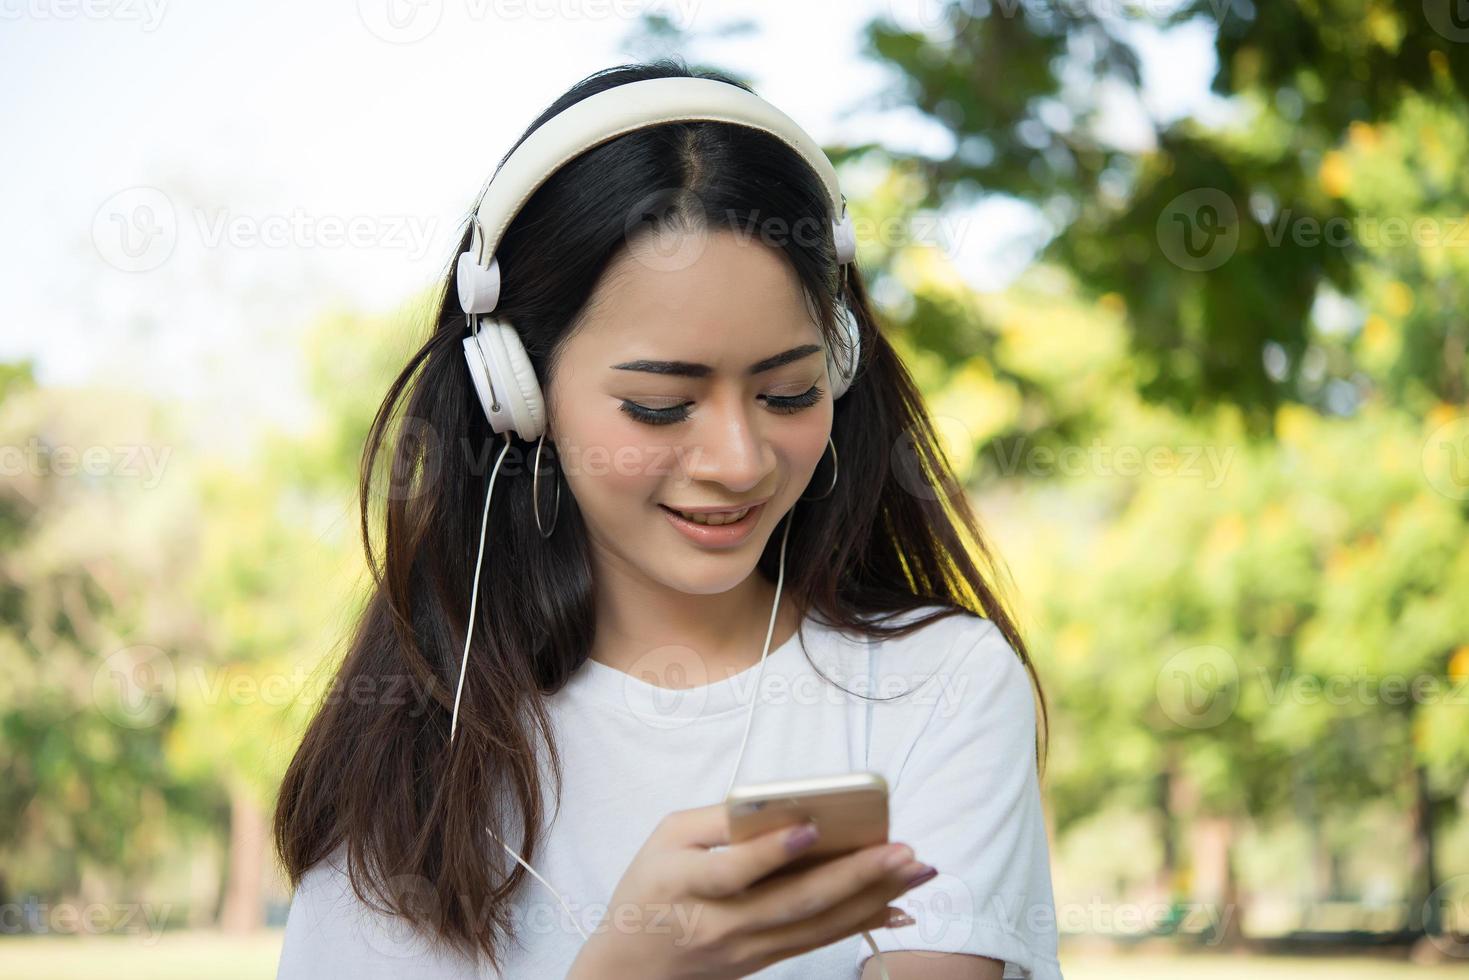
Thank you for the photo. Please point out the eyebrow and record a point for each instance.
(688, 369)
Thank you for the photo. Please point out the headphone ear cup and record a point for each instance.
(841, 363)
(479, 287)
(499, 352)
(844, 236)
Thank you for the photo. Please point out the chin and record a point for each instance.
(711, 584)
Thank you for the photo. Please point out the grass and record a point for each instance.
(1218, 967)
(169, 956)
(190, 955)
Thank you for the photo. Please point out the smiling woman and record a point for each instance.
(683, 340)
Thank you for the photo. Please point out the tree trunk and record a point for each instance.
(243, 908)
(1167, 828)
(1177, 801)
(1215, 882)
(1425, 865)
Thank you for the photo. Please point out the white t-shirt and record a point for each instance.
(957, 751)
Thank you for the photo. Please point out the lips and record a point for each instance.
(718, 536)
(709, 518)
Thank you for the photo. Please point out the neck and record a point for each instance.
(643, 625)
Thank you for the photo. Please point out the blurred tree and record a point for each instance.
(281, 576)
(98, 525)
(168, 619)
(1206, 238)
(1275, 622)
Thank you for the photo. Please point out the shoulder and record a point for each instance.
(331, 932)
(323, 887)
(954, 684)
(951, 644)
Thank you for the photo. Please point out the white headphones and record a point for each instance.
(498, 364)
(501, 370)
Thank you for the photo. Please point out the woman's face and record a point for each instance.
(689, 385)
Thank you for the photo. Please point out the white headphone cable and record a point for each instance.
(474, 589)
(780, 578)
(464, 664)
(749, 717)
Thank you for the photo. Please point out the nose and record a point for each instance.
(728, 446)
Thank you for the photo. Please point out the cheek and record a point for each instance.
(800, 444)
(807, 441)
(608, 459)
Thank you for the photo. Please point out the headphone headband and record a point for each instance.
(615, 112)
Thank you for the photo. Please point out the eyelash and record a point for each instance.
(667, 416)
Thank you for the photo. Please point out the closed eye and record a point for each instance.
(780, 404)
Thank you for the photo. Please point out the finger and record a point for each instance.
(807, 893)
(703, 826)
(890, 917)
(887, 917)
(718, 874)
(878, 920)
(867, 910)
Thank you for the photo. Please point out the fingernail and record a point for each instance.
(920, 875)
(897, 918)
(897, 855)
(801, 838)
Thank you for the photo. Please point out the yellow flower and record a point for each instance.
(1294, 424)
(1397, 299)
(1377, 335)
(1113, 303)
(1335, 174)
(1441, 414)
(1073, 644)
(1275, 519)
(1227, 534)
(1363, 136)
(1459, 664)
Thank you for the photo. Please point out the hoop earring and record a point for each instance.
(834, 465)
(535, 493)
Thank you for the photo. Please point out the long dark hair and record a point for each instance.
(375, 776)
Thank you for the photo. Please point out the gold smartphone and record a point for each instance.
(850, 810)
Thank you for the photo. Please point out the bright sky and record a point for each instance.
(189, 183)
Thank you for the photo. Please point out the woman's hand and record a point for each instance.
(684, 912)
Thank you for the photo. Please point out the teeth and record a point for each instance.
(713, 520)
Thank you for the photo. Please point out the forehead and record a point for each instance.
(713, 297)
